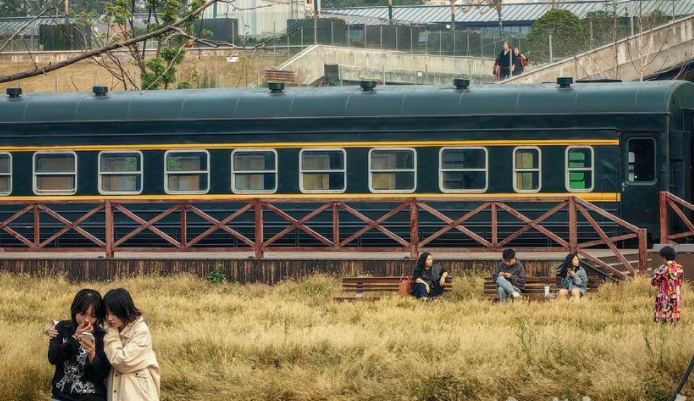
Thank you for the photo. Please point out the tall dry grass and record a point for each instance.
(291, 342)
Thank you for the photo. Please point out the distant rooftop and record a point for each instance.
(511, 14)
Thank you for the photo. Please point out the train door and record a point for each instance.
(640, 180)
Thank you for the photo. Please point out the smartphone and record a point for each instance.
(88, 336)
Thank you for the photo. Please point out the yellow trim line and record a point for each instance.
(589, 196)
(290, 145)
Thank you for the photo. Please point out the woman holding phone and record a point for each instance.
(128, 346)
(77, 351)
(574, 280)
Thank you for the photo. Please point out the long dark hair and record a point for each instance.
(567, 264)
(80, 304)
(422, 261)
(120, 303)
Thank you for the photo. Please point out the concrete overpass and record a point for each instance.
(354, 64)
(667, 48)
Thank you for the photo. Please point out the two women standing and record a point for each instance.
(97, 362)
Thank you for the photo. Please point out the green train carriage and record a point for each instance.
(614, 144)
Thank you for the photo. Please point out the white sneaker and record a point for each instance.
(516, 295)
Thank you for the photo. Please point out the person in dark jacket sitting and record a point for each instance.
(509, 276)
(428, 278)
(77, 351)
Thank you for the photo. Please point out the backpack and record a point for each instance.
(524, 60)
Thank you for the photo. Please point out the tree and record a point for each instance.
(175, 31)
(12, 8)
(566, 32)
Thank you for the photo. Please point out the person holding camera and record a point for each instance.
(509, 276)
(77, 351)
(574, 280)
(429, 279)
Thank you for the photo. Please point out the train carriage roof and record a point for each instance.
(512, 99)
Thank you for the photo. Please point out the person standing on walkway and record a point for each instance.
(509, 276)
(668, 279)
(505, 62)
(519, 62)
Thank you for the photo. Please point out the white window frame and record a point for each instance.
(302, 171)
(539, 170)
(462, 191)
(249, 192)
(568, 170)
(393, 191)
(53, 192)
(9, 174)
(140, 172)
(167, 172)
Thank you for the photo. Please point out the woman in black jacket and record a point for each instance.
(504, 62)
(429, 279)
(77, 352)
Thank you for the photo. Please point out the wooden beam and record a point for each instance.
(414, 229)
(108, 221)
(72, 226)
(451, 224)
(664, 223)
(533, 224)
(300, 224)
(375, 224)
(605, 238)
(220, 225)
(146, 225)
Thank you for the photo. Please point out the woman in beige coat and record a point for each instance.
(128, 345)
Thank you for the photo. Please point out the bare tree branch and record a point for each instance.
(113, 46)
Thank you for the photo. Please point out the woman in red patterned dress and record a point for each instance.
(668, 279)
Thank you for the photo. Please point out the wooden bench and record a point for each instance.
(535, 287)
(359, 285)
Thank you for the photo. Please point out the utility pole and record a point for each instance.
(390, 12)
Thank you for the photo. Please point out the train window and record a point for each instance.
(254, 171)
(463, 170)
(579, 169)
(641, 162)
(120, 173)
(5, 174)
(527, 170)
(186, 171)
(392, 170)
(323, 170)
(55, 173)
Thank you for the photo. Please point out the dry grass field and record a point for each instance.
(292, 342)
(207, 71)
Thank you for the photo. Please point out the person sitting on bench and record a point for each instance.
(574, 280)
(509, 276)
(428, 278)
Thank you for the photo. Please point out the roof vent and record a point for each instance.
(100, 90)
(461, 83)
(14, 93)
(368, 86)
(276, 87)
(565, 82)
